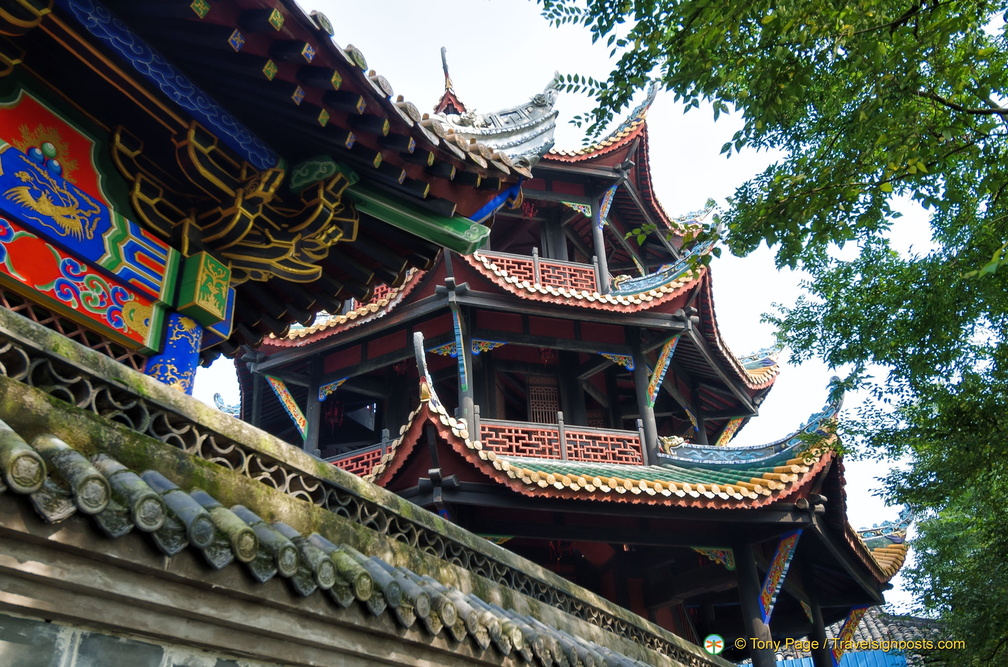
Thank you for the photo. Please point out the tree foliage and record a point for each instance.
(870, 103)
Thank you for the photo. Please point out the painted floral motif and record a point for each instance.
(725, 557)
(446, 350)
(8, 235)
(187, 331)
(290, 405)
(82, 290)
(846, 634)
(664, 359)
(778, 570)
(624, 360)
(214, 288)
(729, 431)
(480, 346)
(327, 390)
(170, 374)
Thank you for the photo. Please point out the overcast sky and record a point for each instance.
(500, 53)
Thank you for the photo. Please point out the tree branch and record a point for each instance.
(990, 111)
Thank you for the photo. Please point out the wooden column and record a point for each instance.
(822, 656)
(176, 364)
(757, 638)
(572, 397)
(701, 437)
(612, 390)
(554, 242)
(600, 251)
(257, 387)
(466, 396)
(313, 411)
(397, 403)
(489, 409)
(641, 388)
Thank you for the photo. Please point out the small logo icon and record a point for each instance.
(713, 644)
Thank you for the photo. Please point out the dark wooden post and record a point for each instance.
(562, 435)
(701, 423)
(822, 656)
(640, 386)
(467, 400)
(257, 389)
(572, 395)
(598, 237)
(758, 638)
(313, 411)
(554, 241)
(612, 391)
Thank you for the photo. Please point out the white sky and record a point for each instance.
(500, 53)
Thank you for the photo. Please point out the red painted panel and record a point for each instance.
(541, 326)
(498, 321)
(566, 188)
(386, 344)
(437, 326)
(40, 271)
(602, 333)
(342, 359)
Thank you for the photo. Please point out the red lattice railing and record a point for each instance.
(546, 272)
(362, 461)
(604, 446)
(516, 266)
(539, 441)
(546, 441)
(567, 274)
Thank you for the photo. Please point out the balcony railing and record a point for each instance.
(537, 441)
(562, 442)
(546, 272)
(362, 461)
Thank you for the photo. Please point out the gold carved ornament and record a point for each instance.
(239, 213)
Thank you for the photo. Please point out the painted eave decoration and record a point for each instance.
(302, 173)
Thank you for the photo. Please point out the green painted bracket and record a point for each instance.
(458, 233)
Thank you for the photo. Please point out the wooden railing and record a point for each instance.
(537, 441)
(546, 272)
(562, 442)
(362, 461)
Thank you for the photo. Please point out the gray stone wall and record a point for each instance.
(29, 642)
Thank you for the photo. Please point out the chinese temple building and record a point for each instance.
(182, 179)
(566, 391)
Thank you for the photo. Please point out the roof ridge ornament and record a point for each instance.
(520, 134)
(449, 102)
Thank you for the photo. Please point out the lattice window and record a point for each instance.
(67, 327)
(543, 399)
(596, 419)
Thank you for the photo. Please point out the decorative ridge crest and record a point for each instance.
(787, 447)
(522, 133)
(628, 125)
